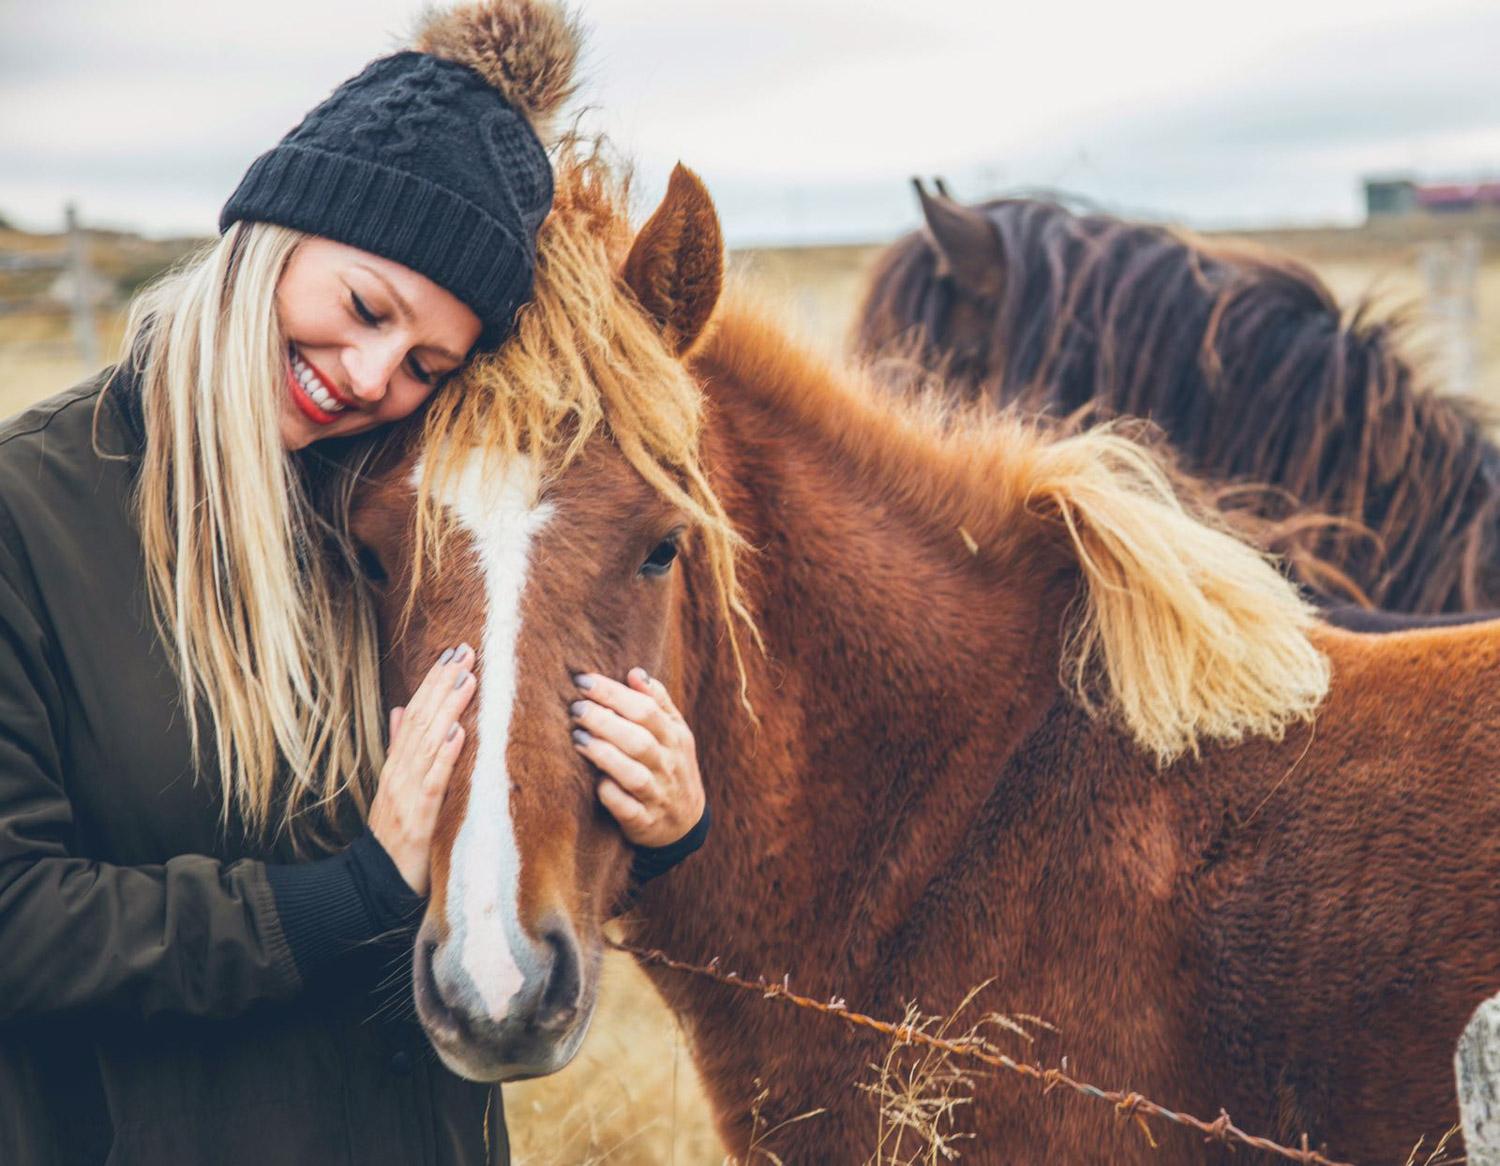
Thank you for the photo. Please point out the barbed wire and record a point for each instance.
(1128, 1104)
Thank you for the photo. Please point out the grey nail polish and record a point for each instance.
(459, 683)
(579, 707)
(453, 730)
(581, 736)
(584, 682)
(462, 652)
(446, 656)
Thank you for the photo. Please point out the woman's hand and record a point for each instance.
(425, 742)
(636, 736)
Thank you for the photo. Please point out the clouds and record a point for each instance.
(1287, 135)
(805, 118)
(148, 113)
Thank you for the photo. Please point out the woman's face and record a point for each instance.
(367, 340)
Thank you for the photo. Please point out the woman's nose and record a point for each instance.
(370, 370)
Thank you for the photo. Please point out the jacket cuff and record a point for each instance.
(650, 861)
(336, 904)
(394, 907)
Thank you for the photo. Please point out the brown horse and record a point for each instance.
(1240, 355)
(1017, 716)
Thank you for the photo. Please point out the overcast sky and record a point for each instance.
(805, 117)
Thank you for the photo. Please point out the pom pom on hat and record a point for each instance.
(526, 49)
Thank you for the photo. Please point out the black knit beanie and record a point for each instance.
(432, 158)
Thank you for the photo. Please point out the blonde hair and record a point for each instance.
(271, 633)
(584, 359)
(1183, 633)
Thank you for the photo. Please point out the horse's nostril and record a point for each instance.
(429, 995)
(559, 1003)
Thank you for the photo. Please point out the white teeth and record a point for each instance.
(313, 386)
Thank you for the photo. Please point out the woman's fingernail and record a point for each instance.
(453, 731)
(583, 681)
(462, 679)
(462, 653)
(581, 737)
(579, 707)
(641, 675)
(446, 656)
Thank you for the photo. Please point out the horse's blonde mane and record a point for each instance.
(1183, 633)
(585, 359)
(1197, 635)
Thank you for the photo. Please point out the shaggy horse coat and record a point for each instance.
(1018, 718)
(1240, 355)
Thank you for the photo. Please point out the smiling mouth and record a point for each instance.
(311, 391)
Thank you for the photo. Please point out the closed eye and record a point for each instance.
(414, 366)
(362, 310)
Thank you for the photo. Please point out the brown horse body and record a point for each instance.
(1240, 355)
(1293, 929)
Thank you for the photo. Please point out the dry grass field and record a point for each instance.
(817, 289)
(631, 1097)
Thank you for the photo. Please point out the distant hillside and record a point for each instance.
(127, 260)
(131, 260)
(815, 288)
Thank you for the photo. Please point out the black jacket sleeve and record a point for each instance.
(192, 935)
(650, 861)
(343, 902)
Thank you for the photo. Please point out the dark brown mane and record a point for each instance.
(1241, 356)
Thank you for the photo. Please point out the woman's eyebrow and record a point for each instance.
(405, 309)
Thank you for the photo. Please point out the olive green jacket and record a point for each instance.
(151, 1010)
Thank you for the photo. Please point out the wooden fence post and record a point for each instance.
(85, 335)
(1477, 1064)
(1450, 269)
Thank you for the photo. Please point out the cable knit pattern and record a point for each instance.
(419, 160)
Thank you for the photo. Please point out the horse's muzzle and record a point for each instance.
(536, 1031)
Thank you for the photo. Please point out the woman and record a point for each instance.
(189, 698)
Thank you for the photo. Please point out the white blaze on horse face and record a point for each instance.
(488, 954)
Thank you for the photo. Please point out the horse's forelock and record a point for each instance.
(586, 363)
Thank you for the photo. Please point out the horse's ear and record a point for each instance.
(964, 240)
(676, 265)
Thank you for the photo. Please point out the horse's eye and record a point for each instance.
(659, 562)
(369, 563)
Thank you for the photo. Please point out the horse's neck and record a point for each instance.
(899, 676)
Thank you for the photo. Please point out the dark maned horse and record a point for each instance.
(1239, 354)
(1018, 715)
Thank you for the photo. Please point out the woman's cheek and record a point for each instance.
(406, 402)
